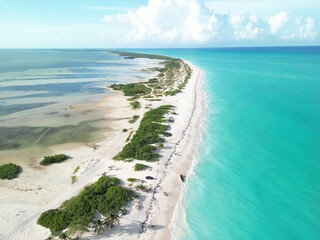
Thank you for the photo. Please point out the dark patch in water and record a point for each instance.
(20, 137)
(37, 95)
(51, 113)
(58, 88)
(9, 109)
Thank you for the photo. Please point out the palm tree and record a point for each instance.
(99, 227)
(108, 221)
(111, 219)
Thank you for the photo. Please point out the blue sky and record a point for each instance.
(157, 23)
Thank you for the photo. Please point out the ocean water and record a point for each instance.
(257, 175)
(52, 97)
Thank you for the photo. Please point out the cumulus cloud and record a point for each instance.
(180, 21)
(277, 21)
(306, 28)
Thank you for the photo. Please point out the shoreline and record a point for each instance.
(185, 149)
(153, 208)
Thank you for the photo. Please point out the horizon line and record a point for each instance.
(112, 48)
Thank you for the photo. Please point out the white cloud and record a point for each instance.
(306, 28)
(277, 21)
(166, 20)
(191, 22)
(245, 26)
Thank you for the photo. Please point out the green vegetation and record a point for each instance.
(105, 196)
(9, 171)
(140, 167)
(47, 160)
(74, 177)
(108, 221)
(132, 55)
(133, 180)
(142, 188)
(135, 105)
(132, 89)
(129, 137)
(172, 78)
(124, 130)
(132, 99)
(150, 132)
(134, 119)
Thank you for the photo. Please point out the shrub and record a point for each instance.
(132, 180)
(141, 146)
(132, 89)
(142, 188)
(54, 219)
(135, 105)
(105, 196)
(47, 160)
(9, 171)
(140, 167)
(134, 119)
(124, 130)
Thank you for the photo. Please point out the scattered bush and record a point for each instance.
(134, 119)
(47, 160)
(9, 171)
(131, 89)
(133, 180)
(142, 188)
(135, 105)
(140, 167)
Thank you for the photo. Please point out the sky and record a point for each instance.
(158, 23)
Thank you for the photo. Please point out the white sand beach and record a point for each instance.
(23, 199)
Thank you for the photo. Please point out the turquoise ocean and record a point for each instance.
(257, 175)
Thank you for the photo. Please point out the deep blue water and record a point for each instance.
(258, 171)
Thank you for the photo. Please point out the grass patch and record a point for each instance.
(135, 104)
(74, 177)
(48, 160)
(105, 196)
(9, 171)
(142, 188)
(132, 180)
(149, 133)
(134, 119)
(132, 89)
(132, 99)
(140, 167)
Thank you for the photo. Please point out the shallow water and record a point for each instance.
(50, 97)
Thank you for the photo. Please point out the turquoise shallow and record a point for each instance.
(258, 171)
